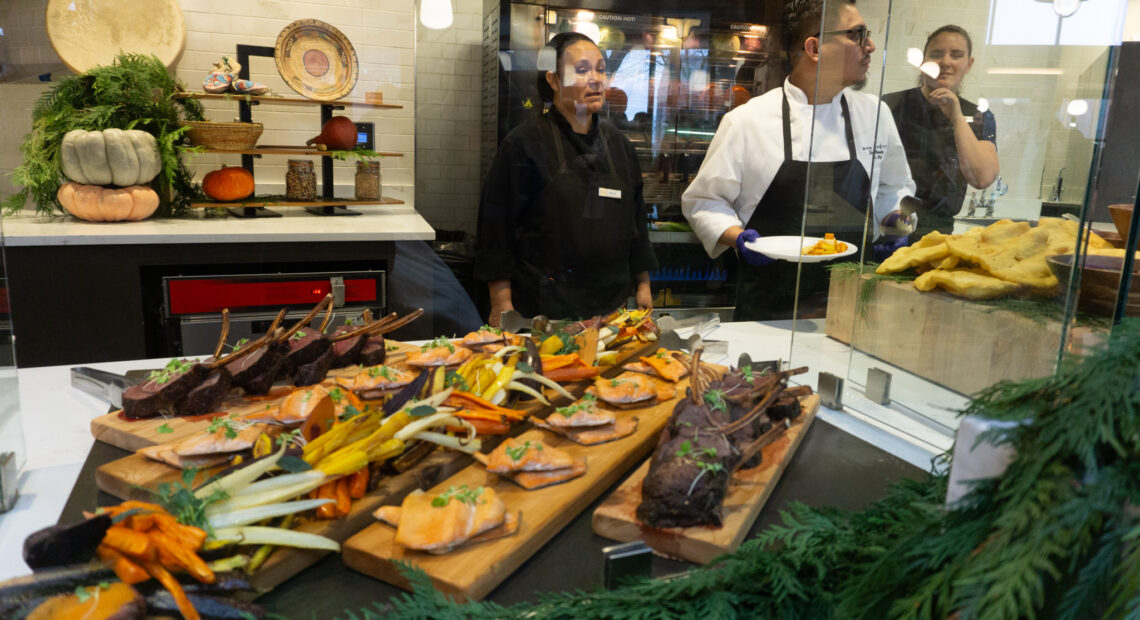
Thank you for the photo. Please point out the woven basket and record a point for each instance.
(225, 136)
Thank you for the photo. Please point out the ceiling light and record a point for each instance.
(436, 14)
(914, 56)
(1024, 71)
(1077, 107)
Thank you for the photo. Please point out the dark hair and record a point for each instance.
(802, 19)
(558, 44)
(951, 28)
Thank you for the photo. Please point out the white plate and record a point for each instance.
(791, 249)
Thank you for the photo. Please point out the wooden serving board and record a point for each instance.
(470, 573)
(747, 493)
(941, 331)
(127, 434)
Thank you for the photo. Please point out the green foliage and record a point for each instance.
(135, 92)
(1057, 535)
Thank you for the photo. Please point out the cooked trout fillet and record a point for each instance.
(628, 387)
(510, 525)
(381, 378)
(438, 355)
(667, 366)
(584, 412)
(229, 436)
(484, 335)
(516, 454)
(164, 453)
(439, 523)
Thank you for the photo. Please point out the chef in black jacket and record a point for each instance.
(949, 142)
(813, 141)
(563, 230)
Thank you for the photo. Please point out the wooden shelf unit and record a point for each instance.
(285, 150)
(240, 98)
(323, 202)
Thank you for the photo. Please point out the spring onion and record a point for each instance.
(267, 511)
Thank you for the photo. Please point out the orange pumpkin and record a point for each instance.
(106, 204)
(226, 184)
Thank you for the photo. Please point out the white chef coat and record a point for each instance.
(748, 149)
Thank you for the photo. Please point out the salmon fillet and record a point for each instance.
(381, 378)
(527, 455)
(438, 353)
(628, 387)
(584, 412)
(439, 523)
(227, 436)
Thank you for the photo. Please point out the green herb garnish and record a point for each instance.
(164, 429)
(237, 345)
(382, 371)
(349, 412)
(493, 330)
(715, 400)
(291, 437)
(172, 368)
(462, 493)
(686, 448)
(82, 593)
(441, 341)
(516, 453)
(298, 335)
(746, 372)
(223, 424)
(421, 410)
(392, 347)
(178, 499)
(336, 394)
(452, 379)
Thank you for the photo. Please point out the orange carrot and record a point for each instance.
(553, 362)
(327, 491)
(170, 583)
(343, 497)
(484, 427)
(125, 569)
(358, 483)
(183, 558)
(475, 414)
(129, 542)
(482, 403)
(574, 373)
(187, 535)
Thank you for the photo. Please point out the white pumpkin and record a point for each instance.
(110, 157)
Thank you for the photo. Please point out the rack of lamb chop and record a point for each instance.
(720, 426)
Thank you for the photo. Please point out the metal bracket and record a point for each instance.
(337, 283)
(830, 390)
(878, 386)
(9, 481)
(625, 562)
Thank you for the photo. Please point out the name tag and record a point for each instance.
(606, 192)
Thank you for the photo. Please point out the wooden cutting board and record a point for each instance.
(122, 432)
(747, 494)
(470, 573)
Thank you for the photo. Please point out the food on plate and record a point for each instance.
(628, 388)
(583, 412)
(593, 435)
(532, 464)
(827, 245)
(438, 352)
(438, 523)
(376, 381)
(515, 455)
(721, 426)
(213, 446)
(106, 601)
(1003, 258)
(666, 365)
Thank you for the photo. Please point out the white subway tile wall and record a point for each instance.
(447, 119)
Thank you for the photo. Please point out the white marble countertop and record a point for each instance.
(377, 223)
(56, 423)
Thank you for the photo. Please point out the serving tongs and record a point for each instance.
(513, 322)
(702, 324)
(108, 386)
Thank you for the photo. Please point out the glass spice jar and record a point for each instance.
(368, 180)
(300, 180)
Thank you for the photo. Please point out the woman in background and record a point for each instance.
(949, 143)
(563, 230)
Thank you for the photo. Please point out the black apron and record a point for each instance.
(578, 265)
(836, 202)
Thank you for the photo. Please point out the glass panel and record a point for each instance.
(13, 452)
(968, 298)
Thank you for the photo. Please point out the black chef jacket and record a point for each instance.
(545, 225)
(928, 139)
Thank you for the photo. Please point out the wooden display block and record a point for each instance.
(962, 345)
(747, 494)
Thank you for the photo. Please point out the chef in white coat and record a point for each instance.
(767, 164)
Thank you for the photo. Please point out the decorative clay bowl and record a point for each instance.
(1100, 281)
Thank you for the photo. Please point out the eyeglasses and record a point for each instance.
(858, 34)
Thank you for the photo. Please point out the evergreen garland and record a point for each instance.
(134, 92)
(1057, 535)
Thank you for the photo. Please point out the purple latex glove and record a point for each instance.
(888, 246)
(751, 257)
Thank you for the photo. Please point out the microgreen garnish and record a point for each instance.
(336, 394)
(237, 345)
(661, 354)
(172, 368)
(349, 412)
(178, 498)
(225, 425)
(82, 594)
(746, 372)
(349, 322)
(569, 410)
(462, 493)
(453, 379)
(308, 395)
(686, 448)
(291, 437)
(493, 330)
(164, 429)
(441, 341)
(381, 371)
(517, 452)
(392, 347)
(715, 400)
(616, 382)
(298, 335)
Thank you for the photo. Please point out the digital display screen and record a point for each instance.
(361, 137)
